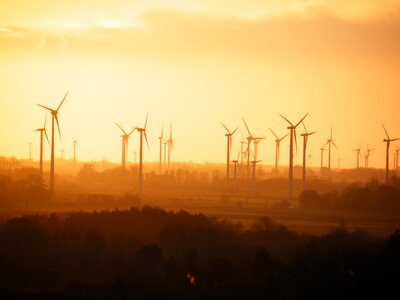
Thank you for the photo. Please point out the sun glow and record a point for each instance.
(125, 61)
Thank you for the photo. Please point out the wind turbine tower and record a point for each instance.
(305, 136)
(367, 155)
(125, 137)
(54, 117)
(277, 145)
(161, 138)
(242, 152)
(170, 144)
(75, 142)
(248, 151)
(142, 132)
(228, 149)
(235, 167)
(30, 150)
(254, 164)
(358, 152)
(330, 142)
(292, 132)
(165, 152)
(42, 131)
(388, 140)
(322, 149)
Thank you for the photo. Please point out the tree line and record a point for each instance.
(150, 253)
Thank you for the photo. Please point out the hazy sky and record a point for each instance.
(195, 64)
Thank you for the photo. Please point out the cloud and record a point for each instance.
(51, 44)
(315, 36)
(5, 30)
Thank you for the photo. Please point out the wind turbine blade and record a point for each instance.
(286, 120)
(48, 108)
(234, 131)
(334, 145)
(47, 138)
(230, 144)
(58, 125)
(170, 132)
(120, 127)
(246, 126)
(295, 138)
(274, 133)
(331, 131)
(304, 126)
(131, 131)
(145, 123)
(62, 101)
(284, 137)
(301, 120)
(45, 120)
(145, 136)
(386, 132)
(225, 127)
(311, 133)
(126, 145)
(162, 131)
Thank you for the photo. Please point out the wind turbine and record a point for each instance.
(235, 167)
(142, 131)
(228, 148)
(125, 136)
(170, 144)
(242, 153)
(322, 149)
(305, 136)
(397, 158)
(249, 139)
(292, 129)
(358, 151)
(54, 116)
(254, 164)
(30, 150)
(248, 151)
(165, 152)
(367, 154)
(257, 140)
(75, 142)
(42, 131)
(330, 142)
(62, 153)
(277, 143)
(387, 141)
(161, 138)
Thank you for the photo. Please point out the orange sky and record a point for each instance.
(198, 63)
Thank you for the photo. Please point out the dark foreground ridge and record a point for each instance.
(150, 253)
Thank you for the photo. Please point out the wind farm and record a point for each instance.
(212, 150)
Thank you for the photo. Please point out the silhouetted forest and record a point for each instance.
(368, 197)
(151, 253)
